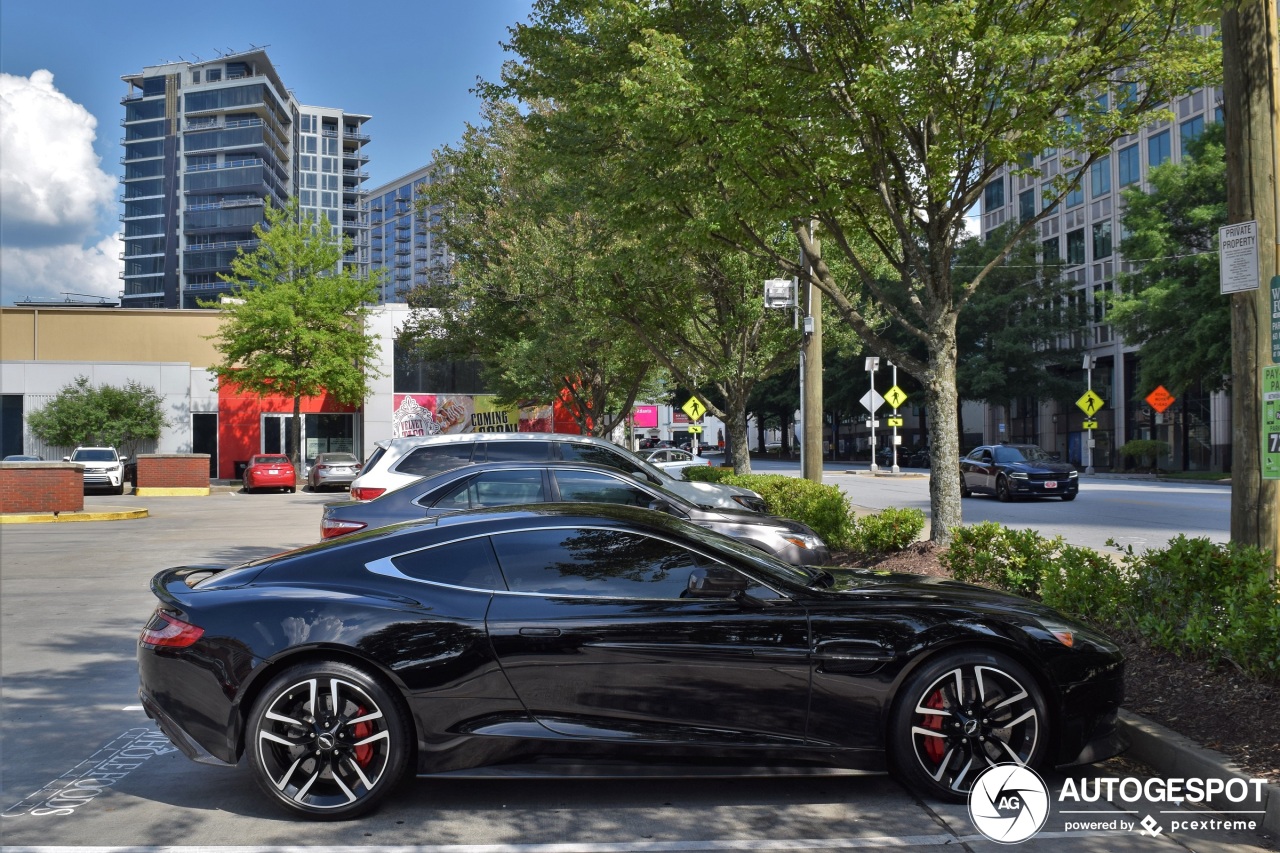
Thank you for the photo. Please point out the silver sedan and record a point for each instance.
(333, 470)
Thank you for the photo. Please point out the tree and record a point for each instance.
(1171, 304)
(295, 323)
(105, 415)
(881, 122)
(1013, 340)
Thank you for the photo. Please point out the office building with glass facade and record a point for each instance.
(1085, 232)
(401, 241)
(206, 145)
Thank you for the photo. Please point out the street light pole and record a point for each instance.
(1088, 434)
(896, 470)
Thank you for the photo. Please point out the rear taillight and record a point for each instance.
(169, 631)
(364, 493)
(331, 527)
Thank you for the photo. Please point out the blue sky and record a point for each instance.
(409, 63)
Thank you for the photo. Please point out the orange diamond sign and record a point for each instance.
(1160, 399)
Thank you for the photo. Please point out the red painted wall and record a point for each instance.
(240, 421)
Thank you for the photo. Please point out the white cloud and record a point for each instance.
(55, 196)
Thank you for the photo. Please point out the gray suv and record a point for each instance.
(400, 461)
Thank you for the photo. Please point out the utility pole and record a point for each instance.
(1252, 111)
(811, 454)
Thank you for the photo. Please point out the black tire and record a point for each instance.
(1069, 497)
(118, 490)
(335, 764)
(293, 489)
(1002, 490)
(959, 715)
(964, 488)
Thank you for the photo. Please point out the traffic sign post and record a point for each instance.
(895, 397)
(872, 401)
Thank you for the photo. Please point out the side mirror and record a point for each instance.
(124, 458)
(66, 459)
(716, 582)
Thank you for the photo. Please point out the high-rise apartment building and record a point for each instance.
(401, 241)
(1085, 232)
(206, 145)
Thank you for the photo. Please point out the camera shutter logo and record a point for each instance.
(1009, 803)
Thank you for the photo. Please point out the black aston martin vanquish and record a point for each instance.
(551, 638)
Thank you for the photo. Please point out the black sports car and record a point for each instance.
(561, 637)
(493, 484)
(1011, 471)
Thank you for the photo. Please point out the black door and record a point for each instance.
(204, 439)
(598, 641)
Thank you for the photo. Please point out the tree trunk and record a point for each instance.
(295, 435)
(735, 425)
(944, 433)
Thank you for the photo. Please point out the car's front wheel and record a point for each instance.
(1003, 494)
(959, 715)
(328, 740)
(1069, 497)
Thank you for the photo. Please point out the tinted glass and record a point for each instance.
(575, 452)
(435, 459)
(270, 460)
(93, 456)
(468, 563)
(592, 487)
(495, 488)
(608, 563)
(337, 459)
(374, 457)
(513, 451)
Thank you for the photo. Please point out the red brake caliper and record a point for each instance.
(360, 731)
(934, 746)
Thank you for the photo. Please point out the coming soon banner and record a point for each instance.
(442, 414)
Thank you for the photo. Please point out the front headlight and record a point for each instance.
(803, 541)
(1018, 475)
(753, 502)
(1073, 475)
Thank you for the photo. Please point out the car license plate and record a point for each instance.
(1051, 484)
(273, 470)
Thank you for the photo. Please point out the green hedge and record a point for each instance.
(1195, 598)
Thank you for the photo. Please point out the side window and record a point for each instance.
(513, 451)
(435, 459)
(468, 563)
(985, 457)
(571, 451)
(494, 488)
(594, 487)
(594, 562)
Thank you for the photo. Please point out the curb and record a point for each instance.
(157, 492)
(1176, 756)
(57, 517)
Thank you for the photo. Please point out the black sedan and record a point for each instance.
(564, 639)
(1011, 471)
(510, 483)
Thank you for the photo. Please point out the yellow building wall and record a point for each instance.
(108, 334)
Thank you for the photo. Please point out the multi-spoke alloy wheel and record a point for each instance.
(961, 714)
(327, 740)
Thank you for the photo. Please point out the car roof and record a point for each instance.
(452, 438)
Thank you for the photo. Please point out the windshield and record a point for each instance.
(94, 455)
(337, 459)
(271, 460)
(1022, 453)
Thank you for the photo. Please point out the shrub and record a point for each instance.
(1203, 598)
(889, 530)
(1089, 585)
(1145, 452)
(823, 507)
(707, 474)
(1013, 560)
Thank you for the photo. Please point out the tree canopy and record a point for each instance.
(102, 415)
(1171, 304)
(880, 123)
(294, 324)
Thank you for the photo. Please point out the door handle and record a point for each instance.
(540, 632)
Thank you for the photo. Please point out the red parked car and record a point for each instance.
(270, 471)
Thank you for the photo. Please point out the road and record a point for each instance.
(1141, 513)
(84, 768)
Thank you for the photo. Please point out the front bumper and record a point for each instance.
(1039, 488)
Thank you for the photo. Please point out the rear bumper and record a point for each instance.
(177, 735)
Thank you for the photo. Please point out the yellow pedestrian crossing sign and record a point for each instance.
(893, 422)
(1090, 424)
(1090, 403)
(895, 396)
(694, 409)
(694, 430)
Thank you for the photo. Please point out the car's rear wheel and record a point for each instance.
(327, 740)
(959, 715)
(964, 488)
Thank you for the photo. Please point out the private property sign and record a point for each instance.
(1238, 257)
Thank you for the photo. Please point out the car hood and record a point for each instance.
(740, 517)
(871, 583)
(715, 495)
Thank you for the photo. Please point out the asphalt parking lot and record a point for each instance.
(84, 767)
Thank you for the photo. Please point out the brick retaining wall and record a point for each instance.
(172, 471)
(42, 487)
